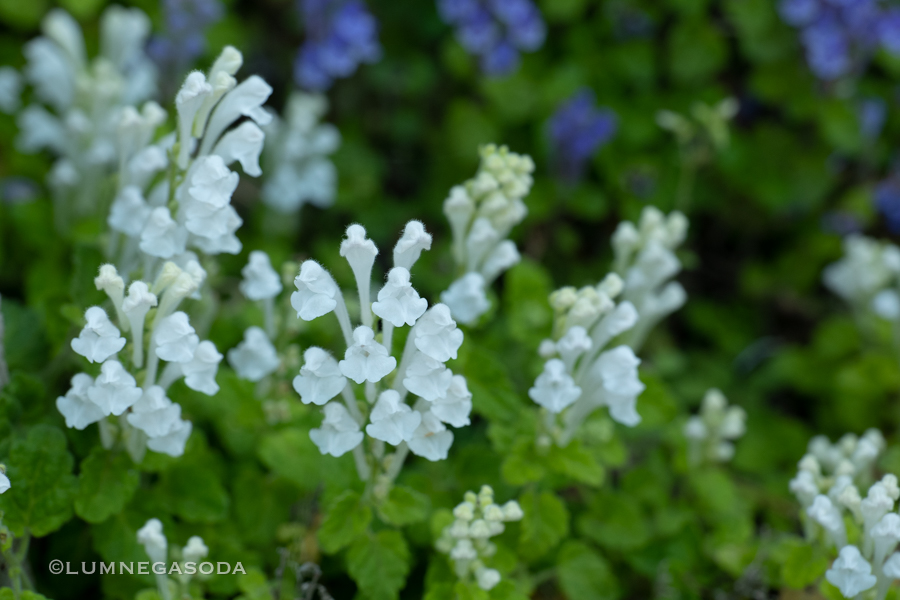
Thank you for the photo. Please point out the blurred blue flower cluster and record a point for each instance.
(184, 39)
(887, 201)
(840, 35)
(495, 30)
(577, 129)
(339, 36)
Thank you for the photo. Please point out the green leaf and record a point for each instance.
(523, 464)
(803, 566)
(545, 523)
(379, 565)
(583, 573)
(254, 586)
(43, 486)
(577, 463)
(196, 493)
(347, 519)
(105, 485)
(404, 506)
(8, 594)
(615, 521)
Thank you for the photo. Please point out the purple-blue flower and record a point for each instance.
(577, 130)
(887, 201)
(872, 113)
(340, 35)
(184, 36)
(495, 31)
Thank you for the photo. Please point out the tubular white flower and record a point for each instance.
(427, 378)
(482, 239)
(410, 245)
(392, 421)
(246, 99)
(260, 279)
(366, 359)
(554, 388)
(614, 378)
(466, 298)
(339, 432)
(51, 73)
(431, 438)
(244, 144)
(115, 390)
(78, 409)
(162, 236)
(891, 566)
(572, 345)
(851, 573)
(172, 443)
(320, 378)
(59, 26)
(38, 129)
(360, 252)
(221, 83)
(99, 339)
(187, 102)
(316, 291)
(136, 306)
(487, 578)
(129, 212)
(154, 413)
(504, 256)
(436, 334)
(207, 211)
(5, 484)
(228, 61)
(886, 535)
(195, 550)
(398, 302)
(123, 32)
(110, 282)
(823, 512)
(255, 357)
(455, 406)
(144, 165)
(176, 340)
(200, 371)
(151, 537)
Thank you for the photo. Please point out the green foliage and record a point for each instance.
(545, 524)
(106, 483)
(347, 519)
(379, 564)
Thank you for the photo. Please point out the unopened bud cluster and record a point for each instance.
(482, 212)
(467, 539)
(711, 434)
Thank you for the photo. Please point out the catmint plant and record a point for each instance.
(79, 101)
(340, 35)
(296, 156)
(482, 213)
(466, 541)
(577, 130)
(712, 433)
(146, 417)
(390, 417)
(827, 485)
(496, 31)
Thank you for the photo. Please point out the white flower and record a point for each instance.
(501, 258)
(38, 129)
(162, 236)
(255, 357)
(573, 344)
(482, 239)
(512, 511)
(464, 550)
(115, 390)
(173, 442)
(200, 371)
(195, 550)
(246, 99)
(320, 378)
(876, 504)
(366, 359)
(76, 406)
(129, 212)
(392, 421)
(176, 340)
(886, 535)
(398, 302)
(4, 483)
(851, 573)
(244, 144)
(431, 438)
(10, 90)
(427, 378)
(151, 537)
(51, 72)
(891, 566)
(886, 305)
(410, 245)
(487, 578)
(360, 252)
(614, 379)
(466, 298)
(437, 335)
(188, 101)
(554, 388)
(454, 407)
(339, 433)
(154, 414)
(315, 291)
(136, 306)
(260, 279)
(695, 429)
(207, 212)
(829, 517)
(99, 339)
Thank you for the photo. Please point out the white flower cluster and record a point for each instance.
(580, 374)
(85, 98)
(826, 486)
(297, 153)
(467, 539)
(147, 417)
(711, 434)
(162, 222)
(868, 276)
(155, 544)
(482, 212)
(256, 357)
(433, 339)
(646, 261)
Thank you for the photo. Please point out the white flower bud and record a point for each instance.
(487, 578)
(512, 511)
(244, 100)
(195, 550)
(151, 537)
(464, 511)
(410, 245)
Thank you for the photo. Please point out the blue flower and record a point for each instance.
(872, 113)
(577, 130)
(887, 201)
(340, 35)
(495, 31)
(184, 38)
